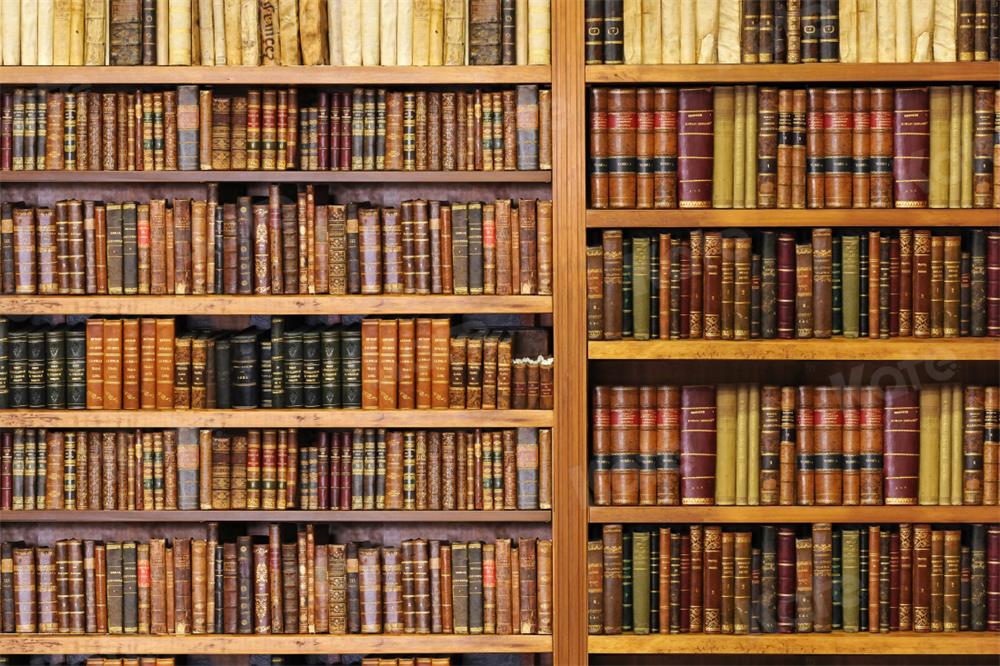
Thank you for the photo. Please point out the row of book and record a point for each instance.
(654, 32)
(359, 129)
(276, 245)
(768, 147)
(819, 283)
(361, 469)
(169, 661)
(276, 32)
(787, 579)
(745, 445)
(251, 586)
(383, 364)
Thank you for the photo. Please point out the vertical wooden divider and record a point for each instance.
(569, 519)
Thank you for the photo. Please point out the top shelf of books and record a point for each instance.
(924, 73)
(269, 75)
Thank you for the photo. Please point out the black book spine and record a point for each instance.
(594, 32)
(475, 587)
(220, 260)
(863, 284)
(780, 31)
(245, 372)
(810, 30)
(37, 393)
(223, 388)
(350, 369)
(130, 588)
(293, 369)
(4, 363)
(55, 368)
(837, 297)
(829, 30)
(627, 288)
(217, 560)
(654, 583)
(18, 369)
(863, 581)
(626, 582)
(244, 246)
(353, 251)
(244, 585)
(331, 379)
(755, 294)
(76, 369)
(277, 362)
(266, 400)
(130, 250)
(836, 569)
(311, 369)
(475, 248)
(654, 289)
(614, 32)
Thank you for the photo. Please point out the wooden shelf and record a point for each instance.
(270, 644)
(794, 514)
(831, 349)
(165, 177)
(276, 418)
(277, 305)
(800, 217)
(868, 73)
(291, 516)
(840, 643)
(271, 76)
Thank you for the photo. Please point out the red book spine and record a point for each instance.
(695, 148)
(786, 286)
(901, 444)
(786, 580)
(911, 148)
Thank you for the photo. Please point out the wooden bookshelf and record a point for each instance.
(831, 349)
(276, 418)
(276, 305)
(285, 76)
(259, 176)
(794, 514)
(270, 644)
(866, 73)
(289, 516)
(801, 217)
(839, 643)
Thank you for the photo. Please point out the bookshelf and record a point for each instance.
(899, 643)
(793, 514)
(286, 516)
(831, 349)
(771, 217)
(926, 72)
(262, 176)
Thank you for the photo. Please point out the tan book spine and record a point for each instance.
(940, 146)
(886, 21)
(219, 31)
(922, 31)
(868, 35)
(729, 33)
(435, 33)
(945, 38)
(249, 31)
(94, 31)
(387, 32)
(179, 36)
(288, 29)
(848, 17)
(10, 13)
(904, 23)
(350, 11)
(521, 32)
(706, 32)
(454, 32)
(955, 149)
(369, 33)
(650, 34)
(404, 32)
(670, 32)
(231, 31)
(29, 32)
(206, 32)
(965, 200)
(45, 25)
(419, 46)
(76, 28)
(632, 31)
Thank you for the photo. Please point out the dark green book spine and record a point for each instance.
(640, 287)
(115, 244)
(756, 565)
(277, 362)
(18, 367)
(768, 579)
(380, 469)
(218, 573)
(357, 470)
(977, 285)
(4, 363)
(76, 369)
(114, 562)
(654, 582)
(654, 288)
(475, 248)
(755, 268)
(850, 579)
(863, 284)
(244, 371)
(330, 341)
(130, 588)
(640, 582)
(223, 376)
(350, 348)
(37, 390)
(460, 587)
(460, 248)
(768, 285)
(977, 592)
(863, 579)
(55, 368)
(130, 249)
(244, 246)
(965, 295)
(883, 287)
(353, 250)
(311, 369)
(837, 296)
(628, 325)
(850, 285)
(220, 256)
(475, 587)
(837, 588)
(266, 397)
(627, 591)
(293, 369)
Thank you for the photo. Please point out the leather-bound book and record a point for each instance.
(911, 147)
(972, 445)
(484, 32)
(822, 582)
(881, 147)
(837, 147)
(870, 447)
(712, 580)
(767, 599)
(595, 587)
(804, 305)
(770, 437)
(668, 444)
(851, 445)
(804, 611)
(665, 148)
(25, 611)
(786, 286)
(767, 147)
(822, 249)
(261, 606)
(816, 140)
(612, 271)
(951, 556)
(805, 445)
(861, 148)
(921, 578)
(459, 556)
(695, 147)
(978, 578)
(828, 445)
(786, 581)
(612, 579)
(697, 445)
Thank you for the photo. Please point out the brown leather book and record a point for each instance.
(816, 140)
(695, 616)
(861, 148)
(665, 147)
(937, 286)
(767, 147)
(612, 272)
(165, 363)
(851, 444)
(787, 448)
(951, 285)
(828, 445)
(712, 579)
(837, 147)
(130, 364)
(882, 149)
(822, 291)
(804, 311)
(668, 445)
(805, 445)
(822, 584)
(712, 282)
(922, 244)
(697, 445)
(646, 449)
(624, 444)
(922, 536)
(804, 611)
(798, 149)
(261, 605)
(972, 445)
(112, 356)
(694, 166)
(644, 150)
(911, 147)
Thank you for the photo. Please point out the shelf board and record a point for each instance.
(868, 73)
(289, 516)
(277, 305)
(904, 642)
(260, 176)
(794, 514)
(276, 418)
(276, 75)
(270, 644)
(830, 349)
(667, 218)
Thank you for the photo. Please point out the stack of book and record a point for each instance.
(276, 32)
(701, 579)
(363, 469)
(275, 245)
(769, 147)
(819, 283)
(251, 586)
(744, 444)
(653, 32)
(386, 364)
(192, 128)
